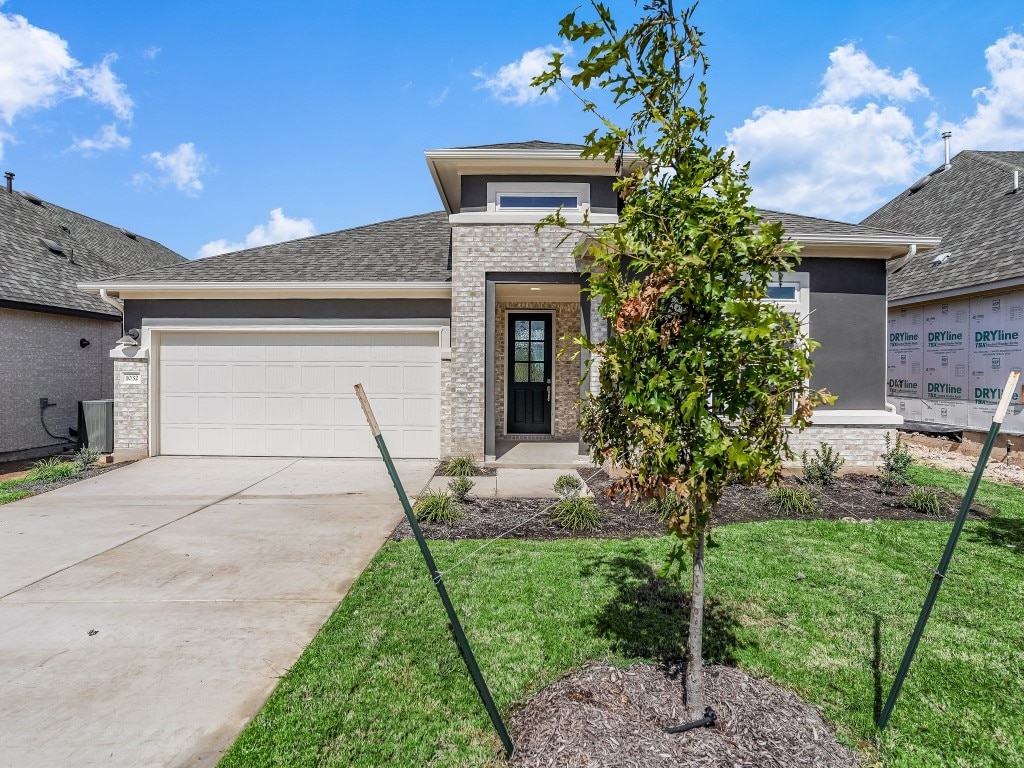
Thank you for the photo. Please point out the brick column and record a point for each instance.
(131, 402)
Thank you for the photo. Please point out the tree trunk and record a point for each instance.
(695, 642)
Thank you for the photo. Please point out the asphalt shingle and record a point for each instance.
(32, 274)
(972, 208)
(411, 249)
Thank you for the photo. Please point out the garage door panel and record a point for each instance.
(178, 377)
(290, 393)
(179, 409)
(212, 409)
(248, 377)
(214, 378)
(286, 409)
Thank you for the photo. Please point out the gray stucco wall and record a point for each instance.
(603, 199)
(136, 310)
(848, 319)
(40, 356)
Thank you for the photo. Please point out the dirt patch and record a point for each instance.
(603, 716)
(853, 498)
(947, 456)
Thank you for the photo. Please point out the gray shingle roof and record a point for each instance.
(533, 144)
(980, 222)
(31, 274)
(413, 249)
(797, 226)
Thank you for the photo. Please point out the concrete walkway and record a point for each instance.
(147, 613)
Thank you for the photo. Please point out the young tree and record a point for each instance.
(703, 374)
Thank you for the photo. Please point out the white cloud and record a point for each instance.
(831, 161)
(511, 85)
(35, 67)
(278, 229)
(851, 74)
(106, 138)
(182, 167)
(37, 72)
(998, 120)
(102, 86)
(152, 52)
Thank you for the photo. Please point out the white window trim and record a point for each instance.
(579, 190)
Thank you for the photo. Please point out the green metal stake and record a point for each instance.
(436, 577)
(947, 555)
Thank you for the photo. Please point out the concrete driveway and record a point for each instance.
(146, 614)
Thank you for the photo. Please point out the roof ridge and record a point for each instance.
(984, 156)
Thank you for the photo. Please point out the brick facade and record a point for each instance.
(860, 446)
(566, 373)
(476, 250)
(131, 407)
(41, 356)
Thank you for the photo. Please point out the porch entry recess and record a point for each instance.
(529, 365)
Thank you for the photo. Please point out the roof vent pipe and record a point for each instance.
(1016, 181)
(946, 136)
(9, 175)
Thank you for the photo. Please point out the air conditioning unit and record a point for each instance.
(96, 425)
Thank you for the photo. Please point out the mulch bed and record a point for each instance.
(853, 498)
(603, 716)
(42, 486)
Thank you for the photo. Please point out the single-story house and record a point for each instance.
(956, 313)
(55, 339)
(453, 321)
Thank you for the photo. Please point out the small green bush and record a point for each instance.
(459, 466)
(568, 485)
(662, 508)
(459, 488)
(52, 469)
(437, 507)
(822, 468)
(894, 471)
(575, 513)
(791, 501)
(86, 457)
(924, 500)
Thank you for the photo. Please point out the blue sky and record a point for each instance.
(206, 127)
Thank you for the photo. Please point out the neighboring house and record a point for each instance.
(956, 313)
(453, 321)
(55, 340)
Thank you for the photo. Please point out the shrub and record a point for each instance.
(459, 466)
(894, 472)
(924, 500)
(437, 507)
(791, 501)
(52, 469)
(662, 508)
(459, 488)
(568, 485)
(86, 457)
(822, 468)
(575, 513)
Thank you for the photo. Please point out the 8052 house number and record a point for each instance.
(131, 377)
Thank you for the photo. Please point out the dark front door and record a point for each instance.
(529, 374)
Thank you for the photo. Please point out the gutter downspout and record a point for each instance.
(893, 266)
(115, 303)
(890, 269)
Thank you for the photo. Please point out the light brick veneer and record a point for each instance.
(476, 250)
(860, 446)
(131, 409)
(566, 369)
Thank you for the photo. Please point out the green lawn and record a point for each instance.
(382, 684)
(47, 470)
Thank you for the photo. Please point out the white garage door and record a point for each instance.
(290, 393)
